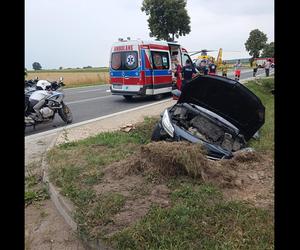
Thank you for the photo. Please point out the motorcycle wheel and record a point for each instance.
(65, 114)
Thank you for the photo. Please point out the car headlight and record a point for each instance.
(167, 124)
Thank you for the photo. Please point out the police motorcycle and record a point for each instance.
(53, 104)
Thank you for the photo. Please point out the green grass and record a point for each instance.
(91, 217)
(262, 89)
(35, 190)
(199, 219)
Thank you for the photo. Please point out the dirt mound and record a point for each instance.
(169, 159)
(162, 160)
(247, 176)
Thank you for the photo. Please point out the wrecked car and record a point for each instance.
(217, 112)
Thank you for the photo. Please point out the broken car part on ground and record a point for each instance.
(217, 112)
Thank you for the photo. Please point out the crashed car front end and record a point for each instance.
(180, 123)
(217, 124)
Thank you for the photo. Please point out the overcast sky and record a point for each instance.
(78, 33)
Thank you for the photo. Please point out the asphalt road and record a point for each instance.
(91, 102)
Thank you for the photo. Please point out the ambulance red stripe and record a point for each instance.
(156, 46)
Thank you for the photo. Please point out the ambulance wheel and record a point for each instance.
(158, 97)
(128, 97)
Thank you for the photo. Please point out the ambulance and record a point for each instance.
(261, 61)
(144, 68)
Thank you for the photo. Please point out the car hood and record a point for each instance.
(227, 98)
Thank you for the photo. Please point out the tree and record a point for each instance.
(167, 18)
(268, 50)
(36, 66)
(256, 42)
(60, 68)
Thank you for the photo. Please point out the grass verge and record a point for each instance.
(199, 219)
(262, 88)
(195, 214)
(35, 189)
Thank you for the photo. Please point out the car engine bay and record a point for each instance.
(206, 127)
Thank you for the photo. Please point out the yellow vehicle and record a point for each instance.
(203, 60)
(209, 58)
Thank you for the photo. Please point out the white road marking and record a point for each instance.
(100, 90)
(89, 99)
(92, 86)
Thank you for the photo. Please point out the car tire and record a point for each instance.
(156, 135)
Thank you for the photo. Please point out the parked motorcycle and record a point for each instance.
(54, 104)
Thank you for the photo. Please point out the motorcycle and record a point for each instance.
(53, 104)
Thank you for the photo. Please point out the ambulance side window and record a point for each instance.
(160, 60)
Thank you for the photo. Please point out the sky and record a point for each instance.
(79, 33)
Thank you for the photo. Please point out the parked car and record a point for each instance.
(217, 112)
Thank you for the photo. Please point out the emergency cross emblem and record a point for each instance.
(130, 59)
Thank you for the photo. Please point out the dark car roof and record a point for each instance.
(227, 98)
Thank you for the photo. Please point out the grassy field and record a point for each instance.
(73, 78)
(137, 195)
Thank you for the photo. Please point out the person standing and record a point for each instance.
(254, 67)
(187, 73)
(212, 68)
(224, 68)
(267, 67)
(237, 70)
(178, 75)
(204, 67)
